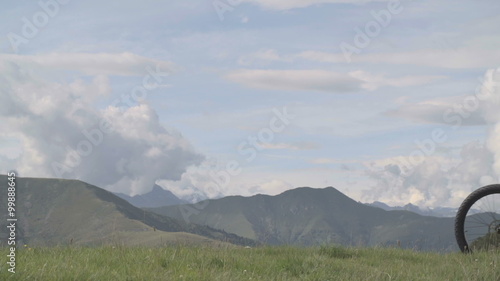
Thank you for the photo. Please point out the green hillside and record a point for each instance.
(60, 212)
(307, 216)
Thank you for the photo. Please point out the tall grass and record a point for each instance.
(234, 263)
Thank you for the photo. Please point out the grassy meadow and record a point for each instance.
(237, 263)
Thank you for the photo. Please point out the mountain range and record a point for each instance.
(307, 216)
(435, 212)
(160, 197)
(61, 212)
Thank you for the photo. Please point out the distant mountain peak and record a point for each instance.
(158, 189)
(312, 189)
(435, 212)
(157, 197)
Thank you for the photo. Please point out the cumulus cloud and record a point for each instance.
(434, 181)
(61, 133)
(201, 182)
(211, 179)
(439, 179)
(321, 80)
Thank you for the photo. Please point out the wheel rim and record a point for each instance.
(482, 224)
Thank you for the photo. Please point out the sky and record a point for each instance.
(392, 101)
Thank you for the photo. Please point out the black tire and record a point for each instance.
(488, 216)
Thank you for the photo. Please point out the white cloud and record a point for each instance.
(442, 180)
(200, 182)
(9, 149)
(375, 81)
(434, 181)
(455, 59)
(439, 111)
(61, 133)
(493, 144)
(211, 179)
(321, 80)
(322, 57)
(305, 80)
(263, 57)
(273, 187)
(480, 107)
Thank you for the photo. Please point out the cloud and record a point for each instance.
(375, 81)
(62, 133)
(273, 187)
(9, 149)
(454, 59)
(447, 111)
(305, 80)
(321, 80)
(493, 143)
(293, 4)
(200, 182)
(322, 161)
(443, 180)
(435, 181)
(263, 57)
(291, 146)
(244, 19)
(322, 57)
(478, 108)
(124, 64)
(211, 180)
